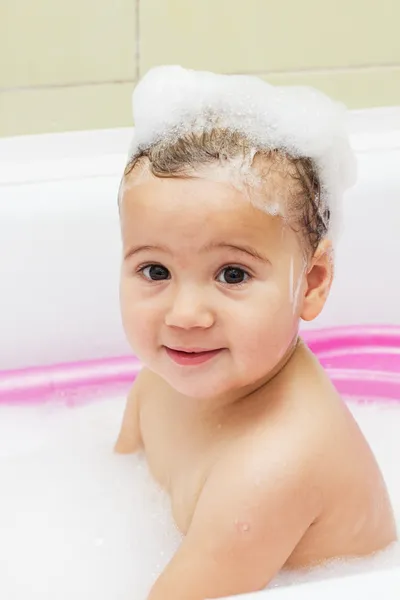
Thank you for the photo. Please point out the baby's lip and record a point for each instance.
(192, 350)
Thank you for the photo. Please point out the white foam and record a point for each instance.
(77, 521)
(170, 101)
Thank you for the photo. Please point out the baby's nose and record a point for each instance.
(189, 309)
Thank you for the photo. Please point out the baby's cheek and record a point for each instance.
(135, 319)
(139, 324)
(267, 311)
(274, 330)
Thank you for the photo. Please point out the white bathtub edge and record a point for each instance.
(73, 155)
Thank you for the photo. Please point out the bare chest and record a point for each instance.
(180, 451)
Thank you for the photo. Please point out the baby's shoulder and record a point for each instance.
(298, 428)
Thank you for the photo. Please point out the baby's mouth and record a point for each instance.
(191, 356)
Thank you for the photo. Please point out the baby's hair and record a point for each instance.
(191, 151)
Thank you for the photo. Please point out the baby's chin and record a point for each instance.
(203, 384)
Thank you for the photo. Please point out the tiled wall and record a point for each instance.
(68, 65)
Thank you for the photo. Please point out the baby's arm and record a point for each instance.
(249, 518)
(129, 438)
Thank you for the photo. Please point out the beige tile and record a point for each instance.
(262, 36)
(46, 42)
(357, 88)
(65, 109)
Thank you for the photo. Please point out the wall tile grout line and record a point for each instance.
(322, 70)
(138, 40)
(56, 86)
(315, 71)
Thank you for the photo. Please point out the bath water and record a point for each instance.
(77, 521)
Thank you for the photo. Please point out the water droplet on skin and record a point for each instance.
(242, 526)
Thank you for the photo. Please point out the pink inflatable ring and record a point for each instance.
(363, 363)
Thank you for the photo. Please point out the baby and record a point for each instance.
(227, 208)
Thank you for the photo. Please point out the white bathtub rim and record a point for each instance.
(103, 153)
(60, 156)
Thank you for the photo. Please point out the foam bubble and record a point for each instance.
(171, 101)
(79, 522)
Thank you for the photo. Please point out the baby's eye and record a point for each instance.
(233, 275)
(155, 272)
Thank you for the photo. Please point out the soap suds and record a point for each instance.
(300, 121)
(78, 521)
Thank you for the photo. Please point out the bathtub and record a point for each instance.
(59, 269)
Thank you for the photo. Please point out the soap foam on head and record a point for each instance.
(171, 101)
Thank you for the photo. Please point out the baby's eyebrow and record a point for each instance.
(244, 249)
(137, 249)
(239, 248)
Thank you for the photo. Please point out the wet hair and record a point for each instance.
(307, 213)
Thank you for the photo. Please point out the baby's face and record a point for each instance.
(205, 270)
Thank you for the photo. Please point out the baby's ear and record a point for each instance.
(318, 281)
